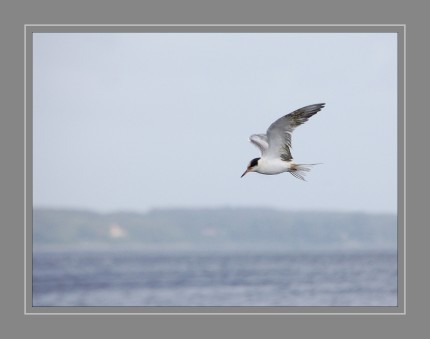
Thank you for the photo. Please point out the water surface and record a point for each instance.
(214, 278)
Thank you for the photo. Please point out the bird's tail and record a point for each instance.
(299, 170)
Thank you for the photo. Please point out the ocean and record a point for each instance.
(137, 277)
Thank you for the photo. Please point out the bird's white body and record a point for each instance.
(272, 166)
(276, 143)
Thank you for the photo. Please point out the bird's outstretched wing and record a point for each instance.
(279, 133)
(260, 140)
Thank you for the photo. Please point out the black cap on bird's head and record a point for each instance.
(252, 164)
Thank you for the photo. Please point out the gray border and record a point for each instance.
(399, 29)
(15, 14)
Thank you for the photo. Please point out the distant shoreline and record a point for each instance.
(223, 228)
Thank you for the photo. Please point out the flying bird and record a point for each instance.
(275, 145)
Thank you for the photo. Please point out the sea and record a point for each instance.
(163, 277)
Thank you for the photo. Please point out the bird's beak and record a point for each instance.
(247, 170)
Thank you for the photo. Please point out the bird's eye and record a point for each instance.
(254, 162)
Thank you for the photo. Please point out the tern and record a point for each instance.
(275, 145)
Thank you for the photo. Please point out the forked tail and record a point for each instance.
(299, 170)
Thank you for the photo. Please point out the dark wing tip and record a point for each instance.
(302, 115)
(314, 107)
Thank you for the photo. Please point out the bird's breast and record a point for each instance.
(273, 166)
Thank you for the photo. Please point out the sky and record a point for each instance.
(137, 121)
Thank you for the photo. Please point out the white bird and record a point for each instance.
(276, 143)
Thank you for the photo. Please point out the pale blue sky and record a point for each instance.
(146, 120)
